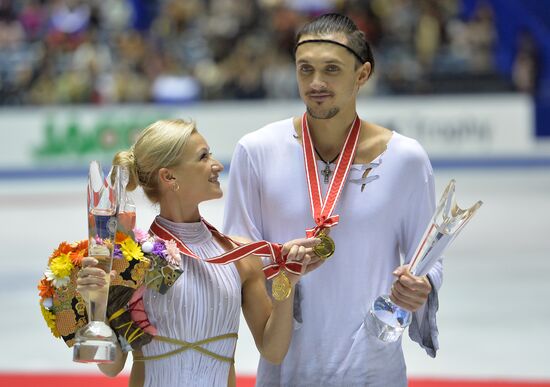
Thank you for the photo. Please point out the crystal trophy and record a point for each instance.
(127, 207)
(96, 341)
(387, 321)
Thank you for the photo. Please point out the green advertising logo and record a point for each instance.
(65, 139)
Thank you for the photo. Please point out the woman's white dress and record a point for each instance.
(204, 302)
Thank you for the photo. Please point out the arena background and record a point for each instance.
(469, 79)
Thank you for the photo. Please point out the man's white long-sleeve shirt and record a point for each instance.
(382, 218)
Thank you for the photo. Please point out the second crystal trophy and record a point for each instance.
(96, 341)
(386, 320)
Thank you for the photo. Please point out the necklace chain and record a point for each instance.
(323, 160)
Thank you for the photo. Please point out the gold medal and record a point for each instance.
(281, 288)
(325, 248)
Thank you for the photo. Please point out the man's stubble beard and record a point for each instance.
(328, 115)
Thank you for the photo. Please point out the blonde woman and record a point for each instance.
(173, 164)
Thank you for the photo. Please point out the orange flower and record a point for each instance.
(63, 248)
(82, 246)
(46, 289)
(120, 236)
(76, 257)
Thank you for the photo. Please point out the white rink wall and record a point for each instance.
(448, 127)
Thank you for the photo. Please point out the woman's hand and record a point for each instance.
(301, 250)
(90, 278)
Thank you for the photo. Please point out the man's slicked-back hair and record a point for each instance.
(332, 23)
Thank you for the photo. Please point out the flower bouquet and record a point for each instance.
(139, 260)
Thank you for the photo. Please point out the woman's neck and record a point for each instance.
(178, 212)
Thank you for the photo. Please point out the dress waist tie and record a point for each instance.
(185, 345)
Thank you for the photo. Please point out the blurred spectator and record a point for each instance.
(428, 35)
(33, 18)
(279, 77)
(525, 68)
(117, 51)
(11, 31)
(70, 16)
(481, 38)
(115, 15)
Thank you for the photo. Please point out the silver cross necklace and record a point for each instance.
(326, 172)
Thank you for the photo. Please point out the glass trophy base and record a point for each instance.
(387, 321)
(94, 352)
(95, 343)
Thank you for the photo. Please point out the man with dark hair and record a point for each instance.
(366, 191)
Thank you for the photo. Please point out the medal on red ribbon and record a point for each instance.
(322, 209)
(259, 248)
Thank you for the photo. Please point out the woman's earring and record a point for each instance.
(175, 187)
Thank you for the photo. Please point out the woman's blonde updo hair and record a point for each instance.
(158, 146)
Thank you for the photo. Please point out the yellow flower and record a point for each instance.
(131, 250)
(50, 320)
(61, 266)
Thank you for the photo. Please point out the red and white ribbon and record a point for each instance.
(322, 209)
(260, 248)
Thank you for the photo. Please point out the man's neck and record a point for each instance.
(329, 135)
